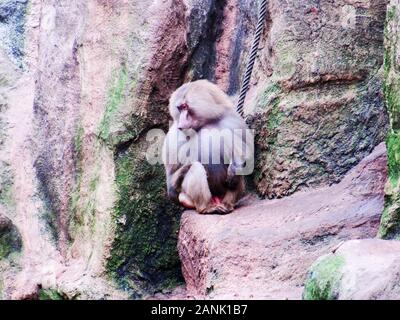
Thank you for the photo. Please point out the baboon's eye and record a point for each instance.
(183, 106)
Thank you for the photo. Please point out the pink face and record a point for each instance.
(186, 118)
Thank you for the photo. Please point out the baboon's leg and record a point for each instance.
(196, 193)
(185, 201)
(195, 187)
(174, 182)
(232, 196)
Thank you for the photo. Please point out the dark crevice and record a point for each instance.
(203, 48)
(48, 197)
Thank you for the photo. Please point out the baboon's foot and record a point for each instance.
(185, 201)
(216, 209)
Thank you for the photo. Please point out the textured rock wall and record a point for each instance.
(317, 106)
(367, 269)
(81, 84)
(12, 28)
(390, 224)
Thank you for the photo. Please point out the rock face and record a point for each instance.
(10, 247)
(83, 82)
(12, 28)
(10, 239)
(317, 107)
(359, 270)
(390, 225)
(368, 269)
(264, 250)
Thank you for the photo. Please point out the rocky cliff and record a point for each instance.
(83, 214)
(390, 226)
(367, 269)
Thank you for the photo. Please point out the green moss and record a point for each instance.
(75, 221)
(83, 210)
(6, 195)
(286, 63)
(267, 124)
(10, 240)
(275, 116)
(391, 13)
(269, 101)
(268, 96)
(78, 140)
(115, 98)
(50, 294)
(93, 183)
(6, 186)
(392, 96)
(393, 150)
(323, 280)
(144, 251)
(56, 294)
(387, 63)
(5, 248)
(390, 221)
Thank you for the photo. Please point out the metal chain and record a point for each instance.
(253, 55)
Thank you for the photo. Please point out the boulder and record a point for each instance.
(359, 269)
(263, 250)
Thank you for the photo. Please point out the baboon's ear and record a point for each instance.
(176, 99)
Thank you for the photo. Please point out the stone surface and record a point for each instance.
(317, 105)
(359, 270)
(368, 269)
(263, 250)
(10, 239)
(390, 224)
(83, 82)
(10, 248)
(12, 29)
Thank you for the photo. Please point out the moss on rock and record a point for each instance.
(10, 239)
(49, 294)
(12, 32)
(6, 186)
(323, 279)
(390, 221)
(115, 98)
(144, 254)
(320, 108)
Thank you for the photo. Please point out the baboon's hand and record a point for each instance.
(231, 176)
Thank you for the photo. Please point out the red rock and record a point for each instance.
(264, 250)
(365, 269)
